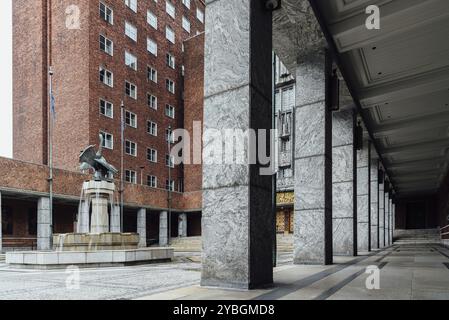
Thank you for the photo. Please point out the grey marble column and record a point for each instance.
(1, 235)
(374, 203)
(390, 223)
(364, 198)
(381, 215)
(393, 218)
(344, 177)
(44, 232)
(115, 220)
(163, 228)
(313, 164)
(237, 218)
(386, 217)
(182, 225)
(142, 227)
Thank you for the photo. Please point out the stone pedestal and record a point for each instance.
(363, 198)
(100, 193)
(83, 223)
(182, 225)
(44, 221)
(313, 164)
(344, 175)
(115, 219)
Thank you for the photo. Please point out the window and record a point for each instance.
(200, 15)
(152, 128)
(170, 111)
(152, 74)
(131, 119)
(170, 185)
(152, 19)
(170, 61)
(132, 4)
(169, 137)
(180, 185)
(106, 108)
(170, 9)
(186, 3)
(186, 24)
(106, 77)
(131, 31)
(152, 47)
(169, 161)
(170, 34)
(130, 60)
(152, 155)
(108, 140)
(152, 181)
(131, 176)
(130, 90)
(106, 13)
(170, 85)
(106, 45)
(131, 148)
(152, 101)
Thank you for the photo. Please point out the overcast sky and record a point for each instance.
(6, 79)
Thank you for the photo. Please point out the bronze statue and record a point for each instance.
(89, 159)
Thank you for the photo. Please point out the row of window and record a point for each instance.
(169, 8)
(107, 109)
(131, 177)
(131, 147)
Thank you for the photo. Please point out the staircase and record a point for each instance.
(285, 243)
(189, 244)
(425, 236)
(2, 258)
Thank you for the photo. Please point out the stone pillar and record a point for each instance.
(142, 227)
(386, 217)
(364, 198)
(390, 224)
(115, 220)
(374, 203)
(1, 235)
(182, 225)
(344, 176)
(163, 228)
(381, 215)
(44, 232)
(237, 198)
(393, 218)
(313, 163)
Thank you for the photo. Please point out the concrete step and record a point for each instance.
(2, 257)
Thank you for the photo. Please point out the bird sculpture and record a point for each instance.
(89, 159)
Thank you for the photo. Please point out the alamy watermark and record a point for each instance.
(373, 280)
(373, 20)
(72, 281)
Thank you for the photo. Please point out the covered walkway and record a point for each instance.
(416, 272)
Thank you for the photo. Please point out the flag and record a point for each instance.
(52, 105)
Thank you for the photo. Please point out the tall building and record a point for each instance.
(103, 53)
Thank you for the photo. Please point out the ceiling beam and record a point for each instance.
(396, 17)
(413, 125)
(421, 147)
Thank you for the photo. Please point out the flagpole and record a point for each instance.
(122, 174)
(50, 179)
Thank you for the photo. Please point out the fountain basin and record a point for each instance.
(87, 259)
(95, 242)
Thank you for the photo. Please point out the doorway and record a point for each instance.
(416, 215)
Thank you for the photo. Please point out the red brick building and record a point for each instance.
(147, 55)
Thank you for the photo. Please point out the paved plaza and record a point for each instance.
(406, 272)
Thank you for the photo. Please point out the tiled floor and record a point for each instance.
(406, 272)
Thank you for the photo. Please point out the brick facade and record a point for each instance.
(75, 57)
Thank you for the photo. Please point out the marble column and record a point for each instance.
(390, 223)
(374, 203)
(44, 232)
(393, 218)
(182, 225)
(1, 235)
(163, 228)
(313, 163)
(142, 227)
(387, 214)
(115, 220)
(364, 198)
(344, 177)
(237, 218)
(381, 215)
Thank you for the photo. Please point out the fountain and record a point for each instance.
(97, 240)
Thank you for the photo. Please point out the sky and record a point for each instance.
(6, 78)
